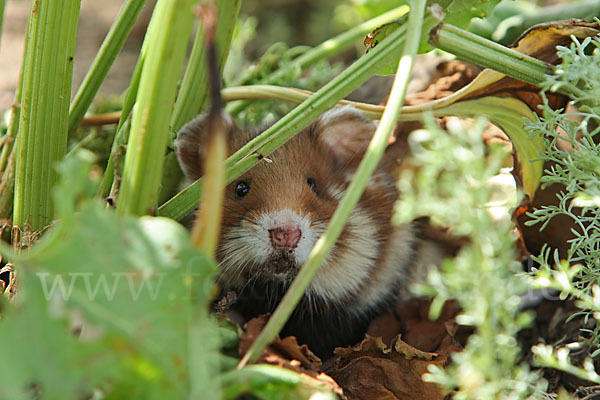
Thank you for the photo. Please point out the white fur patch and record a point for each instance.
(336, 191)
(340, 277)
(342, 112)
(398, 257)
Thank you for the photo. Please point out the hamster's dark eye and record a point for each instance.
(241, 189)
(312, 185)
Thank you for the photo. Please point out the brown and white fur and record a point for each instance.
(275, 212)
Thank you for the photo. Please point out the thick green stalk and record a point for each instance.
(294, 121)
(156, 94)
(42, 135)
(488, 54)
(104, 59)
(327, 49)
(193, 94)
(355, 189)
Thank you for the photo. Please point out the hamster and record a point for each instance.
(275, 212)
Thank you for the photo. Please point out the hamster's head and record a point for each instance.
(275, 212)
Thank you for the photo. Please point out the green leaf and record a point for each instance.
(460, 12)
(268, 382)
(134, 288)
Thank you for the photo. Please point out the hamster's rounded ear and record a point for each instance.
(191, 143)
(346, 132)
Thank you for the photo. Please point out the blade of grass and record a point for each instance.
(206, 229)
(110, 48)
(365, 170)
(205, 232)
(193, 94)
(186, 200)
(42, 135)
(158, 84)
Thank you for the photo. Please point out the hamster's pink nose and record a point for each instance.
(285, 237)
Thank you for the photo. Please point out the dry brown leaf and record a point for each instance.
(288, 354)
(450, 76)
(372, 370)
(386, 326)
(540, 41)
(559, 230)
(284, 352)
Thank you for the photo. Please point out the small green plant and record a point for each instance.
(571, 145)
(452, 187)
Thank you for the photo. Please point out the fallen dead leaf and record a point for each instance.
(559, 230)
(288, 354)
(284, 352)
(449, 77)
(423, 333)
(372, 370)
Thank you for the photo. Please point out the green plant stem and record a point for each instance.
(42, 135)
(284, 129)
(122, 135)
(488, 54)
(193, 94)
(326, 49)
(409, 113)
(7, 188)
(365, 170)
(104, 59)
(156, 94)
(7, 157)
(13, 126)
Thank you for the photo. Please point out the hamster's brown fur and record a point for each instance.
(275, 212)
